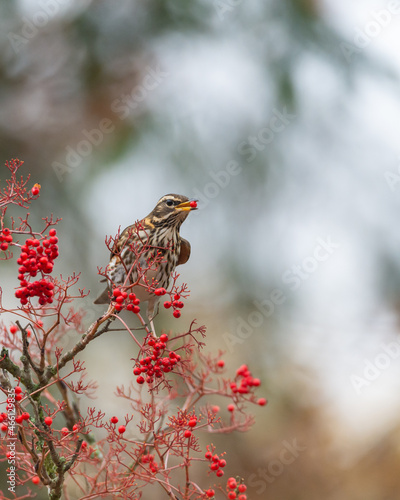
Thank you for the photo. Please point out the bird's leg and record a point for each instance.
(153, 330)
(150, 317)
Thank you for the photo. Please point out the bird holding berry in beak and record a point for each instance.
(147, 252)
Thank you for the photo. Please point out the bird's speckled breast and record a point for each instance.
(164, 239)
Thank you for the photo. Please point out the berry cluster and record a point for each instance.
(216, 463)
(121, 428)
(18, 395)
(149, 459)
(18, 420)
(156, 364)
(37, 256)
(244, 381)
(176, 304)
(235, 490)
(123, 300)
(184, 422)
(5, 239)
(22, 417)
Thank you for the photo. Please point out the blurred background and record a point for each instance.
(282, 118)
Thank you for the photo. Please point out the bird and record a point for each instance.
(156, 235)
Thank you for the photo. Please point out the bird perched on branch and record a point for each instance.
(149, 251)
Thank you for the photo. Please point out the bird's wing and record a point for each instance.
(104, 298)
(139, 231)
(185, 252)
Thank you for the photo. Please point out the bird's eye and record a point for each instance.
(169, 203)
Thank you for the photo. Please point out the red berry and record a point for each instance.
(164, 338)
(75, 427)
(214, 466)
(3, 427)
(26, 415)
(231, 495)
(114, 420)
(221, 363)
(137, 371)
(242, 370)
(160, 291)
(210, 493)
(232, 483)
(167, 304)
(35, 479)
(215, 409)
(18, 397)
(177, 314)
(187, 434)
(208, 455)
(121, 429)
(262, 402)
(64, 431)
(140, 380)
(116, 292)
(52, 232)
(35, 191)
(242, 488)
(193, 204)
(222, 462)
(220, 473)
(4, 246)
(48, 421)
(19, 419)
(231, 407)
(177, 296)
(192, 422)
(13, 329)
(84, 445)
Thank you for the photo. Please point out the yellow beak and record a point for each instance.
(185, 206)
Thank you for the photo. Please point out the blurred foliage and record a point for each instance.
(63, 79)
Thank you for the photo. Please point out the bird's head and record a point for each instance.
(172, 210)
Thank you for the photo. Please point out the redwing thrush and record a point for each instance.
(137, 244)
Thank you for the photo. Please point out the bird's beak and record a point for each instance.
(187, 206)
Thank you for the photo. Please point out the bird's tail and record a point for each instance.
(104, 298)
